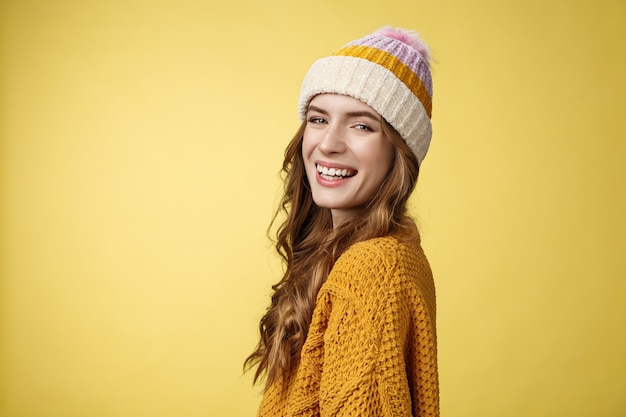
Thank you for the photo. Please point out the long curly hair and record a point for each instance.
(309, 247)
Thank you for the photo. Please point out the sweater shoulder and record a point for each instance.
(375, 253)
(371, 258)
(380, 263)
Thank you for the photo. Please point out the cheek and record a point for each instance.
(387, 153)
(381, 160)
(308, 147)
(378, 155)
(308, 143)
(307, 150)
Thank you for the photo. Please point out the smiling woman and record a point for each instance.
(351, 326)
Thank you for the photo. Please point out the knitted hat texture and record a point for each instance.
(389, 71)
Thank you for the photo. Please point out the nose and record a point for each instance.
(332, 141)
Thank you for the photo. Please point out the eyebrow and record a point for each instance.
(361, 113)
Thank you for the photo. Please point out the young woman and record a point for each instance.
(351, 326)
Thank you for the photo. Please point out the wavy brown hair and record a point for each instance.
(309, 247)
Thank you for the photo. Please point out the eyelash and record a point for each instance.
(359, 126)
(362, 126)
(316, 120)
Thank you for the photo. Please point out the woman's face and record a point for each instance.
(346, 155)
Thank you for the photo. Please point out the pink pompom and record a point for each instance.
(408, 37)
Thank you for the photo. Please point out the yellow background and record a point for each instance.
(140, 142)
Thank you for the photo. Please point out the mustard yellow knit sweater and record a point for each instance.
(371, 349)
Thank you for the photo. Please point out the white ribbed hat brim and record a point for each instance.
(377, 87)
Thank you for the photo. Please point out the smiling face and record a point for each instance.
(346, 154)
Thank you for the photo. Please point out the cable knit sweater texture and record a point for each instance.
(371, 346)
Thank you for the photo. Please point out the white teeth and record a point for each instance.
(334, 172)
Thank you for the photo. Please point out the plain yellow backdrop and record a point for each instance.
(140, 145)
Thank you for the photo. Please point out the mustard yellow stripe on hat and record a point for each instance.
(396, 66)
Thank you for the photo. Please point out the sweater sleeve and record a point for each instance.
(372, 363)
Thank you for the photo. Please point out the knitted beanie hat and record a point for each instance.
(389, 71)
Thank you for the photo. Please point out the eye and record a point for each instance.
(361, 126)
(316, 120)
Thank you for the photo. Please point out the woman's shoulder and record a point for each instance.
(387, 250)
(382, 261)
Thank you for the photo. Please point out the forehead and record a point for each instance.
(341, 103)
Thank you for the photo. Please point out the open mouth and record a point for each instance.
(332, 174)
